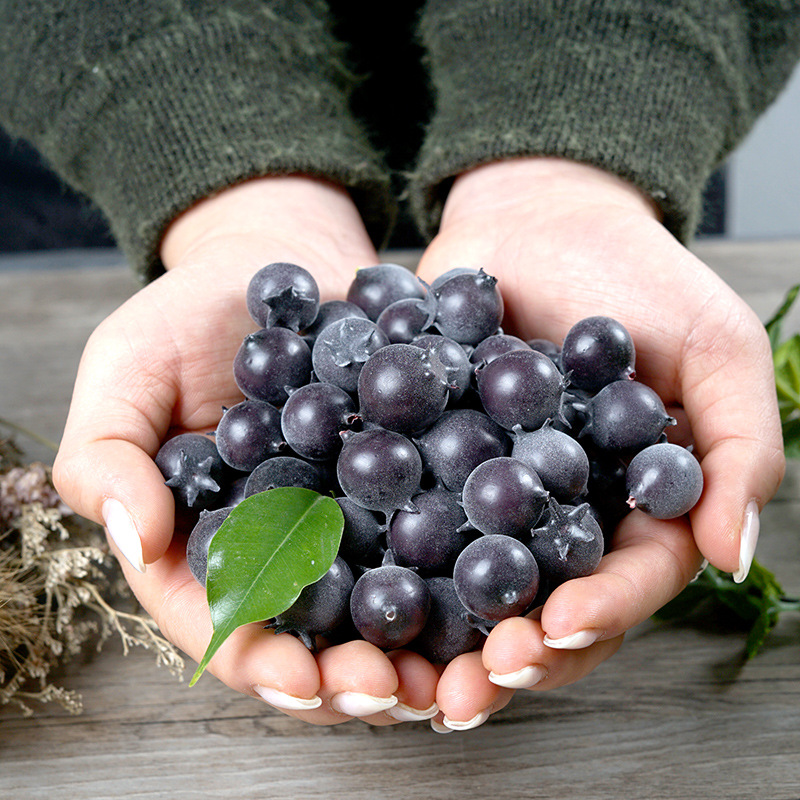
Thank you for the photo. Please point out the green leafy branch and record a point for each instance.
(759, 600)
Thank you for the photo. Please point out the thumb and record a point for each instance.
(104, 468)
(116, 483)
(731, 400)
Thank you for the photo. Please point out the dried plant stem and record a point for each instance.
(59, 591)
(43, 440)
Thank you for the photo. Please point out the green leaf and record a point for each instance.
(271, 546)
(773, 326)
(787, 384)
(759, 631)
(757, 602)
(791, 438)
(786, 358)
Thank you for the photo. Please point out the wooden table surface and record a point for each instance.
(675, 714)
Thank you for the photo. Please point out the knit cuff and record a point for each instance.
(639, 89)
(198, 104)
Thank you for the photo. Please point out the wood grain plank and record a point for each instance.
(676, 714)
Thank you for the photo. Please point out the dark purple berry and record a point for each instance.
(496, 577)
(522, 387)
(329, 312)
(503, 496)
(403, 320)
(283, 295)
(389, 605)
(193, 468)
(249, 433)
(597, 351)
(451, 273)
(496, 345)
(270, 363)
(402, 388)
(314, 416)
(457, 442)
(569, 544)
(379, 469)
(625, 416)
(664, 480)
(342, 349)
(548, 347)
(457, 366)
(363, 534)
(320, 608)
(208, 523)
(431, 537)
(281, 471)
(374, 288)
(448, 632)
(466, 307)
(559, 460)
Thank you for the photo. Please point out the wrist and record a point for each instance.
(544, 185)
(277, 214)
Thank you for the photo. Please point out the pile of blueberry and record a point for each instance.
(475, 471)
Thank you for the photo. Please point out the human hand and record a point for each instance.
(567, 241)
(162, 364)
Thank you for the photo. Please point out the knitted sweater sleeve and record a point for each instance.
(148, 106)
(656, 91)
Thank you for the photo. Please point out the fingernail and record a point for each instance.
(700, 571)
(466, 725)
(288, 702)
(748, 541)
(439, 728)
(356, 704)
(404, 713)
(121, 529)
(575, 641)
(521, 679)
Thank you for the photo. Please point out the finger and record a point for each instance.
(517, 657)
(115, 482)
(729, 394)
(357, 680)
(416, 690)
(651, 561)
(465, 695)
(278, 669)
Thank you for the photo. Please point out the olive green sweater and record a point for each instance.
(147, 106)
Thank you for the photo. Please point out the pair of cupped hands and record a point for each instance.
(565, 241)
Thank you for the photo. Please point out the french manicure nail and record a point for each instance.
(121, 529)
(574, 641)
(356, 704)
(700, 570)
(288, 702)
(439, 728)
(405, 713)
(466, 725)
(520, 679)
(748, 541)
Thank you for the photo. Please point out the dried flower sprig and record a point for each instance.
(60, 590)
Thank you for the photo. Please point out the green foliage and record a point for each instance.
(786, 357)
(272, 545)
(757, 602)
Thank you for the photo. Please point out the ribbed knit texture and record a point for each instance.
(657, 92)
(156, 104)
(148, 106)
